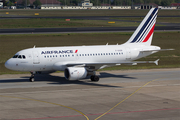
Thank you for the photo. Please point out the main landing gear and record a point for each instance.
(31, 79)
(95, 78)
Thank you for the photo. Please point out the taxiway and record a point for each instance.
(125, 94)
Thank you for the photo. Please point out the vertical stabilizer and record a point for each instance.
(144, 32)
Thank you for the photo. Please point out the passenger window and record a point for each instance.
(45, 56)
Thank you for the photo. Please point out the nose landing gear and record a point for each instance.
(31, 79)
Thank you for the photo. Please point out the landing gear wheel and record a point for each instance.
(31, 79)
(94, 78)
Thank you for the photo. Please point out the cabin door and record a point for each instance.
(36, 57)
(128, 53)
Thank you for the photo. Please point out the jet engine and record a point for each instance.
(75, 73)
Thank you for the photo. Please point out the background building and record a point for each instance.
(85, 3)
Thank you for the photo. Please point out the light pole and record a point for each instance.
(132, 4)
(26, 4)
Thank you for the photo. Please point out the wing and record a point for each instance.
(96, 66)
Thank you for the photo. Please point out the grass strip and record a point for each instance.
(59, 23)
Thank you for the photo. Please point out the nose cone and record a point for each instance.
(9, 64)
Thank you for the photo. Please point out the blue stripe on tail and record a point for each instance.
(147, 29)
(144, 26)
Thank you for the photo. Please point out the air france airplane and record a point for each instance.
(78, 62)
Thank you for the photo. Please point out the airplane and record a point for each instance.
(78, 62)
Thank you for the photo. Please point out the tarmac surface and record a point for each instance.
(124, 94)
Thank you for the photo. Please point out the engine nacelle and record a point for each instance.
(75, 73)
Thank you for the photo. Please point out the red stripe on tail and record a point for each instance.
(149, 34)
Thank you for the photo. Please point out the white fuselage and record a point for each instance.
(56, 58)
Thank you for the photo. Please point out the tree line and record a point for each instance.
(100, 2)
(120, 2)
(36, 3)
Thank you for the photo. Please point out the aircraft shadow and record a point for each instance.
(106, 75)
(13, 80)
(62, 81)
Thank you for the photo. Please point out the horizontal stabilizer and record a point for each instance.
(136, 62)
(155, 50)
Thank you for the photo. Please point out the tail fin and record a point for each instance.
(145, 30)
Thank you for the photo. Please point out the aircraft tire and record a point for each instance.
(94, 78)
(31, 79)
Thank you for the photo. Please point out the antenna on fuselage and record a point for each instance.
(34, 46)
(107, 44)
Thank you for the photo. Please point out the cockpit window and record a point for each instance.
(19, 56)
(15, 56)
(23, 56)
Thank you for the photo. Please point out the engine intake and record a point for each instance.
(75, 73)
